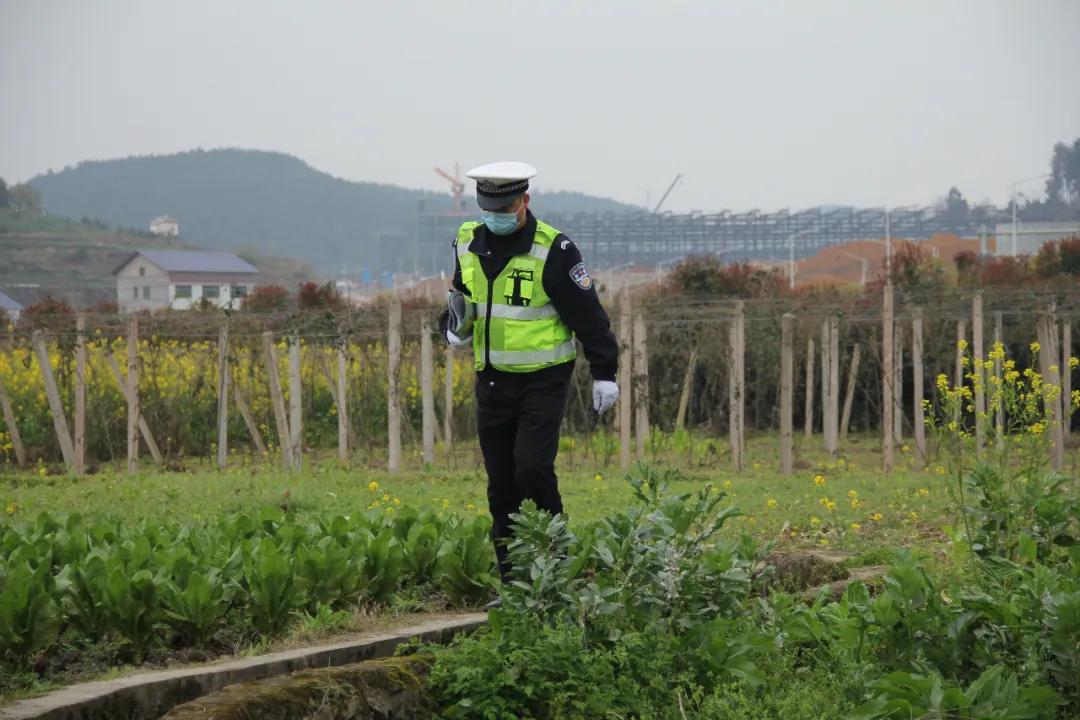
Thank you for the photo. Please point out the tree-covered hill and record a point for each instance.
(275, 203)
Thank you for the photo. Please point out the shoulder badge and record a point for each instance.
(564, 244)
(581, 276)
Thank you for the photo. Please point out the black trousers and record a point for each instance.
(518, 418)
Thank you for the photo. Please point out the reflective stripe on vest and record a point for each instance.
(533, 357)
(512, 312)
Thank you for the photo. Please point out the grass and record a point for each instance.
(847, 503)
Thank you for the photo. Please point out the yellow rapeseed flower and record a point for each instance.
(771, 504)
(876, 517)
(1034, 347)
(856, 526)
(814, 521)
(373, 486)
(819, 480)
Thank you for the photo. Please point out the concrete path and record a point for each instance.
(148, 696)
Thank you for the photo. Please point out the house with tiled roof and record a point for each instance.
(181, 279)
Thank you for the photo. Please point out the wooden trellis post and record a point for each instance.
(144, 427)
(80, 395)
(978, 370)
(296, 406)
(427, 390)
(277, 400)
(898, 385)
(342, 405)
(223, 398)
(787, 367)
(830, 381)
(448, 402)
(626, 378)
(249, 419)
(887, 335)
(849, 396)
(641, 384)
(961, 338)
(393, 386)
(808, 416)
(12, 425)
(56, 406)
(737, 385)
(687, 387)
(917, 379)
(999, 411)
(1046, 329)
(1066, 374)
(133, 394)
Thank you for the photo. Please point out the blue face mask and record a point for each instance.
(500, 223)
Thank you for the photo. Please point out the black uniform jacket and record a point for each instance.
(571, 292)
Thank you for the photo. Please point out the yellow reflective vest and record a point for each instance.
(517, 328)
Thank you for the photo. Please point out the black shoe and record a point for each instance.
(494, 604)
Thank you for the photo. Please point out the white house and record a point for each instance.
(165, 226)
(178, 279)
(9, 307)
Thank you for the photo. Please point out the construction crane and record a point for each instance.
(667, 192)
(457, 186)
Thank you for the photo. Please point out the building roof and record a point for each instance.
(194, 261)
(8, 304)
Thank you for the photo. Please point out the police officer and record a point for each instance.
(520, 296)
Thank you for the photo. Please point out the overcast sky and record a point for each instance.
(757, 104)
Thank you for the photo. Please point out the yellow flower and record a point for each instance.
(386, 497)
(923, 492)
(373, 486)
(961, 345)
(727, 484)
(1034, 347)
(905, 449)
(771, 504)
(470, 507)
(856, 526)
(11, 509)
(819, 480)
(397, 501)
(1074, 362)
(913, 516)
(876, 517)
(827, 504)
(445, 503)
(598, 477)
(814, 521)
(940, 469)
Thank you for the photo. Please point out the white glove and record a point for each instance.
(604, 395)
(456, 341)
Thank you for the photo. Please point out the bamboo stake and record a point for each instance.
(641, 384)
(626, 377)
(393, 386)
(808, 416)
(223, 398)
(849, 397)
(296, 406)
(834, 384)
(1066, 375)
(277, 399)
(80, 395)
(687, 385)
(887, 335)
(144, 427)
(133, 394)
(56, 407)
(427, 390)
(787, 362)
(918, 413)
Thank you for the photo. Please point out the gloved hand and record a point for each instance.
(604, 395)
(456, 341)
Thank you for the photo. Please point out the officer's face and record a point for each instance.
(518, 207)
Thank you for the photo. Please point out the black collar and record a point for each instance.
(519, 242)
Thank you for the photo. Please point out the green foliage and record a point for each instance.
(29, 618)
(465, 562)
(195, 609)
(995, 695)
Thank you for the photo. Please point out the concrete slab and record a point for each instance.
(148, 696)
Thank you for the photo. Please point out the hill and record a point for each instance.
(73, 260)
(275, 203)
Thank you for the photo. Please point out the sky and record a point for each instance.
(761, 104)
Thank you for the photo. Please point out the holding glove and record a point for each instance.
(604, 395)
(456, 321)
(456, 341)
